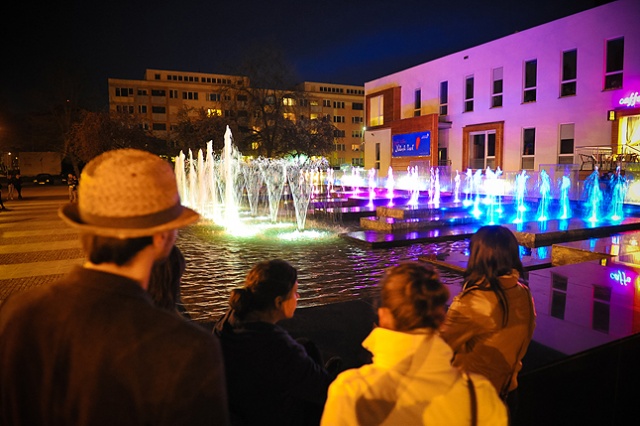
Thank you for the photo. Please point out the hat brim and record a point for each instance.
(71, 216)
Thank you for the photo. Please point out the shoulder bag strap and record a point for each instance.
(474, 400)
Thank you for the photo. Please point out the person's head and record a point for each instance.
(493, 252)
(411, 297)
(127, 194)
(271, 288)
(164, 282)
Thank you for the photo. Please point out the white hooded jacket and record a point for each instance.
(410, 382)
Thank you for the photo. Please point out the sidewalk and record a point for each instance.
(36, 247)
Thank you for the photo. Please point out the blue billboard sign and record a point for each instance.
(411, 144)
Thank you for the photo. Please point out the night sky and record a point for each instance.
(345, 41)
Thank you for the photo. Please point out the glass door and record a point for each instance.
(482, 149)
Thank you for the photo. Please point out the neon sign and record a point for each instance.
(630, 100)
(620, 277)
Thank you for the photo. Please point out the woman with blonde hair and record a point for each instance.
(411, 380)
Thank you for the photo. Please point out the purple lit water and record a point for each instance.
(329, 270)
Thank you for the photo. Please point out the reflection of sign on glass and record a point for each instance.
(412, 144)
(620, 277)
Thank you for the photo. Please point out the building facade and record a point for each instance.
(161, 95)
(157, 99)
(344, 106)
(562, 93)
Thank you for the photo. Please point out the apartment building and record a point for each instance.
(561, 93)
(344, 106)
(158, 98)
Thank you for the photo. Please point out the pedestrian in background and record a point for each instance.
(17, 183)
(72, 181)
(10, 186)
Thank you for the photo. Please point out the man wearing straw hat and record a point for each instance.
(92, 349)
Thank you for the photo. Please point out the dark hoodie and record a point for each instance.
(270, 377)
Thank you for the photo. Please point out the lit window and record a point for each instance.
(376, 108)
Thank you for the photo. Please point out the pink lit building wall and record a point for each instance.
(565, 92)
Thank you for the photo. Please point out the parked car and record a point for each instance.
(44, 179)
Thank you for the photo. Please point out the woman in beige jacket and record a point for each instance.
(489, 325)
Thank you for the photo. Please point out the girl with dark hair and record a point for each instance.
(489, 325)
(411, 380)
(271, 379)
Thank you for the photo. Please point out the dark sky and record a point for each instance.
(339, 41)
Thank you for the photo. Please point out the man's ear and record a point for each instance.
(385, 319)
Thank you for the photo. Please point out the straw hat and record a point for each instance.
(127, 193)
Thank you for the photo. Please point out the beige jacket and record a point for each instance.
(481, 344)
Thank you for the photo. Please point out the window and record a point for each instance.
(158, 110)
(125, 108)
(245, 98)
(340, 147)
(142, 92)
(569, 73)
(190, 95)
(285, 101)
(417, 103)
(356, 120)
(558, 295)
(326, 103)
(530, 80)
(355, 147)
(173, 94)
(377, 165)
(528, 148)
(356, 133)
(376, 110)
(601, 308)
(158, 92)
(359, 106)
(338, 119)
(337, 104)
(496, 88)
(357, 162)
(338, 133)
(142, 109)
(613, 71)
(159, 126)
(468, 94)
(124, 91)
(213, 97)
(565, 153)
(444, 98)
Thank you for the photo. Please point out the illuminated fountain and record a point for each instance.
(229, 190)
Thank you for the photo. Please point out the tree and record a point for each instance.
(276, 117)
(197, 126)
(98, 132)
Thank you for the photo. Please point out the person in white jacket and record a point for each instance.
(411, 380)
